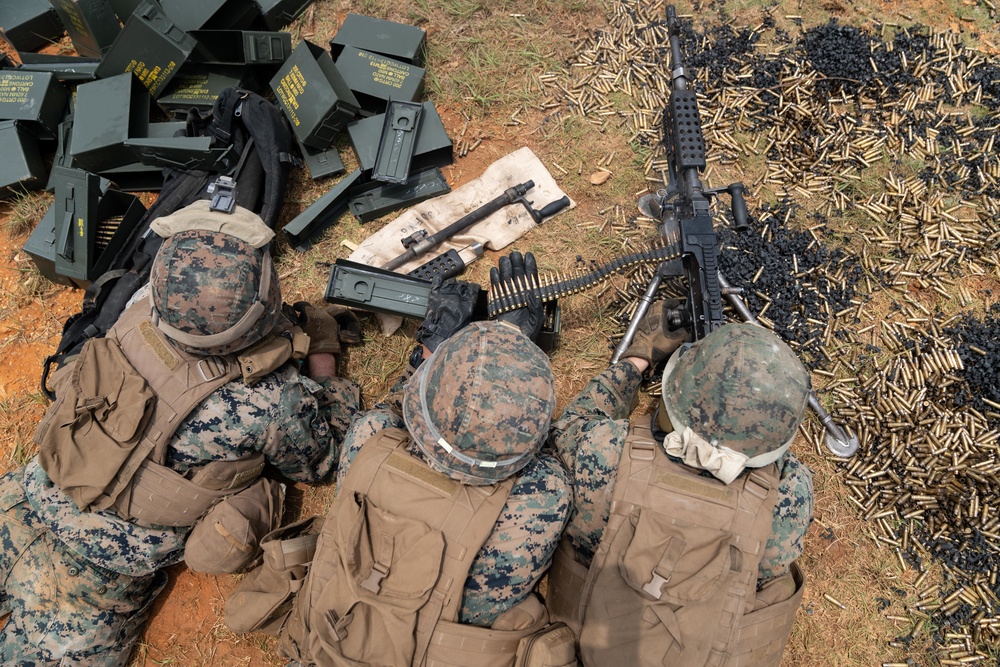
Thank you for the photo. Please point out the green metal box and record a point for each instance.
(41, 248)
(279, 13)
(375, 79)
(199, 86)
(321, 163)
(21, 168)
(191, 15)
(396, 40)
(124, 8)
(433, 147)
(240, 47)
(321, 214)
(64, 68)
(107, 112)
(30, 24)
(138, 177)
(91, 24)
(314, 96)
(91, 224)
(34, 97)
(149, 46)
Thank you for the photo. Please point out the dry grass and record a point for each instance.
(483, 64)
(25, 212)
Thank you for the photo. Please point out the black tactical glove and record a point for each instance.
(522, 272)
(327, 327)
(654, 341)
(449, 308)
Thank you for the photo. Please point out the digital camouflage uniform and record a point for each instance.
(589, 436)
(79, 585)
(524, 538)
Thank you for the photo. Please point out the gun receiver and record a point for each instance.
(683, 210)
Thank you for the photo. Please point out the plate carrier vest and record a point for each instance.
(386, 583)
(104, 440)
(673, 581)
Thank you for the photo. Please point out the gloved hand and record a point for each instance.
(449, 308)
(524, 273)
(654, 341)
(327, 327)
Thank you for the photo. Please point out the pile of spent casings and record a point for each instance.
(111, 118)
(874, 251)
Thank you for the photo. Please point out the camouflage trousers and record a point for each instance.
(62, 609)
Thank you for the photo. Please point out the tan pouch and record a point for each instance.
(264, 598)
(665, 588)
(555, 646)
(88, 435)
(384, 569)
(228, 538)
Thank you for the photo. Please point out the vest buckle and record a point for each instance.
(642, 450)
(654, 588)
(211, 368)
(374, 581)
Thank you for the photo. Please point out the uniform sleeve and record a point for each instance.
(311, 422)
(524, 539)
(589, 437)
(793, 513)
(297, 423)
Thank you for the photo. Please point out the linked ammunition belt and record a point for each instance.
(512, 294)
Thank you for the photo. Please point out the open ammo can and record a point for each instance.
(199, 86)
(432, 146)
(321, 214)
(149, 46)
(22, 167)
(41, 248)
(91, 24)
(388, 38)
(91, 226)
(30, 24)
(321, 163)
(107, 112)
(313, 95)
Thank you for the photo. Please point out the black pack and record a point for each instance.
(262, 140)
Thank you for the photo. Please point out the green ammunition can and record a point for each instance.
(395, 40)
(21, 168)
(375, 79)
(36, 98)
(91, 24)
(314, 96)
(107, 113)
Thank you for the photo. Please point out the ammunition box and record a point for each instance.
(321, 214)
(41, 248)
(184, 153)
(433, 147)
(321, 163)
(399, 138)
(62, 157)
(136, 177)
(64, 68)
(30, 24)
(375, 79)
(191, 15)
(91, 225)
(240, 47)
(108, 111)
(149, 46)
(279, 13)
(388, 38)
(375, 200)
(21, 168)
(314, 96)
(91, 24)
(34, 97)
(124, 8)
(199, 86)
